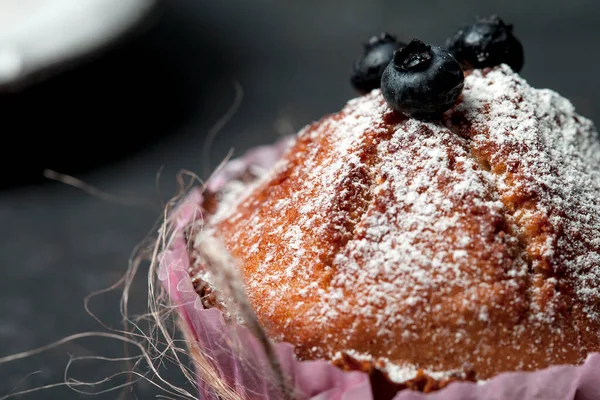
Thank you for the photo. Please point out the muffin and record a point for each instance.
(421, 244)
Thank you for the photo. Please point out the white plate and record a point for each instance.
(38, 34)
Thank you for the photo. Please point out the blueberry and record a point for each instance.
(422, 80)
(486, 43)
(368, 68)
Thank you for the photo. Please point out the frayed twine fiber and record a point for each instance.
(157, 344)
(225, 271)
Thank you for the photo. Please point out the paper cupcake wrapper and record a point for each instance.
(248, 374)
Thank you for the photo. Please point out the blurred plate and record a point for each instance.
(37, 35)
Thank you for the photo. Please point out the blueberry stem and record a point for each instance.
(415, 56)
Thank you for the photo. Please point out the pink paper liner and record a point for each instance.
(320, 380)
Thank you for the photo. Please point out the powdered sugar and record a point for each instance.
(396, 373)
(407, 228)
(543, 152)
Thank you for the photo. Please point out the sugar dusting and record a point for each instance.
(527, 204)
(542, 151)
(398, 373)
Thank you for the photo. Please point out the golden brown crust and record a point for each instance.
(427, 244)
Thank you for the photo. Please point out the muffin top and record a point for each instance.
(470, 243)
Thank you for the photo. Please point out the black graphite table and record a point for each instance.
(146, 106)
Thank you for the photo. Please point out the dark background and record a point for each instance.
(146, 106)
